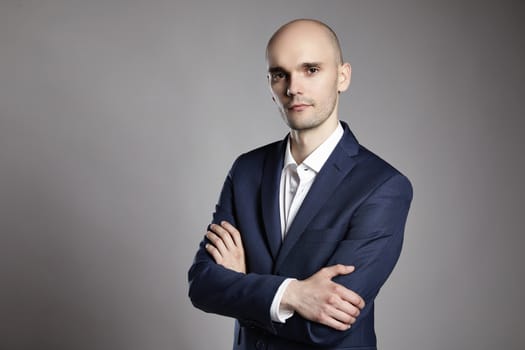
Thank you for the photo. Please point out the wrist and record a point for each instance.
(289, 299)
(278, 312)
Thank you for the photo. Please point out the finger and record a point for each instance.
(339, 300)
(339, 269)
(217, 242)
(234, 233)
(353, 298)
(214, 252)
(348, 309)
(334, 323)
(343, 316)
(224, 235)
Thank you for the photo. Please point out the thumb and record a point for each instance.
(339, 269)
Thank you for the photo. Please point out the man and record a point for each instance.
(306, 229)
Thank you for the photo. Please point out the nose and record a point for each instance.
(294, 86)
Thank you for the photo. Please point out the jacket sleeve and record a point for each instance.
(373, 245)
(215, 289)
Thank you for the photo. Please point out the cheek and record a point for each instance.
(327, 90)
(323, 93)
(277, 94)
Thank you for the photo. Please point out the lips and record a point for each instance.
(298, 107)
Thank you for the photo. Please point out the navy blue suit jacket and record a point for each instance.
(354, 214)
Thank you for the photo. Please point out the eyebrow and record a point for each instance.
(311, 64)
(277, 69)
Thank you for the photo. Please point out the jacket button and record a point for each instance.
(259, 345)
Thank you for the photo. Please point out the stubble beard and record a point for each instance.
(303, 123)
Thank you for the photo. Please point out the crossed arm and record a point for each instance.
(317, 298)
(371, 243)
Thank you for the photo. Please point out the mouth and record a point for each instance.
(298, 107)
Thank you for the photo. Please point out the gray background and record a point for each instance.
(120, 119)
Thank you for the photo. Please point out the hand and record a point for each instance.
(321, 300)
(226, 246)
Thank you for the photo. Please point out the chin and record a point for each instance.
(298, 126)
(300, 120)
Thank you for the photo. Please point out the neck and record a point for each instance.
(304, 142)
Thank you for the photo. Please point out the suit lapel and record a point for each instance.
(270, 197)
(336, 168)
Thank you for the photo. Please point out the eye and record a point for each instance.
(312, 70)
(276, 76)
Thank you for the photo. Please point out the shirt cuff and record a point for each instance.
(277, 312)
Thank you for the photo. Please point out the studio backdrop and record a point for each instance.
(120, 119)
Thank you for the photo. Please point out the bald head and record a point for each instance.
(318, 31)
(306, 74)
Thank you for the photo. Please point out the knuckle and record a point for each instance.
(349, 319)
(320, 317)
(338, 289)
(332, 299)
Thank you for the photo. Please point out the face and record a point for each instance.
(305, 76)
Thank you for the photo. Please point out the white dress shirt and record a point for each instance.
(296, 180)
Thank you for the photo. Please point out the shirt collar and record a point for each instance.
(318, 157)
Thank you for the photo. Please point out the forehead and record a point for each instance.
(299, 44)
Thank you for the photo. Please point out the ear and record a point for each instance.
(345, 73)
